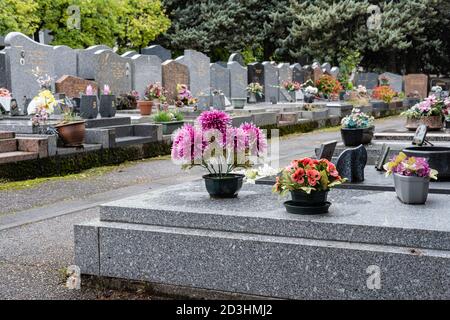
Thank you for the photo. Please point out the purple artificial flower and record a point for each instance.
(188, 144)
(255, 138)
(214, 119)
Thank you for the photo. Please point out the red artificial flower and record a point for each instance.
(298, 176)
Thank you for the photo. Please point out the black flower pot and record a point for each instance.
(225, 186)
(107, 105)
(88, 107)
(309, 98)
(357, 137)
(447, 124)
(314, 198)
(308, 204)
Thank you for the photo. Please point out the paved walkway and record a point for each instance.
(36, 223)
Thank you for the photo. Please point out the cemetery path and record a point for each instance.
(36, 223)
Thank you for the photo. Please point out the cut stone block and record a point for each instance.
(8, 145)
(35, 145)
(7, 135)
(17, 156)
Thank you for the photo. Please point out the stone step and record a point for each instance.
(132, 140)
(17, 156)
(7, 135)
(8, 145)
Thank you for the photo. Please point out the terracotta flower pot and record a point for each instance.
(432, 123)
(145, 107)
(72, 134)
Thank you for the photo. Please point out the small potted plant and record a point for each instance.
(255, 91)
(170, 121)
(107, 103)
(5, 99)
(72, 129)
(309, 181)
(429, 112)
(152, 97)
(309, 91)
(385, 95)
(89, 104)
(184, 96)
(127, 101)
(411, 178)
(213, 144)
(357, 128)
(41, 107)
(328, 86)
(292, 87)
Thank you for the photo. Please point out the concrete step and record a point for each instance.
(8, 145)
(7, 135)
(17, 156)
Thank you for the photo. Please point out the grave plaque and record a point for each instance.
(238, 80)
(174, 73)
(416, 83)
(326, 150)
(199, 75)
(65, 60)
(420, 137)
(367, 79)
(395, 81)
(256, 75)
(159, 51)
(271, 82)
(237, 57)
(298, 74)
(351, 164)
(145, 70)
(72, 86)
(385, 149)
(113, 70)
(220, 79)
(86, 61)
(24, 58)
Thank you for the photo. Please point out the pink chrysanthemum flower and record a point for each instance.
(214, 119)
(255, 138)
(188, 144)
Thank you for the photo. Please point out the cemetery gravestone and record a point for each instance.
(238, 80)
(308, 72)
(199, 75)
(237, 57)
(368, 80)
(173, 73)
(326, 150)
(334, 72)
(72, 86)
(65, 60)
(351, 164)
(220, 79)
(395, 81)
(284, 74)
(26, 57)
(298, 74)
(113, 70)
(86, 61)
(129, 54)
(444, 83)
(316, 65)
(326, 68)
(271, 82)
(145, 70)
(3, 77)
(159, 51)
(256, 75)
(317, 73)
(416, 82)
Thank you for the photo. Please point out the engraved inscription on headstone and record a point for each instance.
(145, 70)
(174, 73)
(113, 70)
(199, 74)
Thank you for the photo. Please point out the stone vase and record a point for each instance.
(252, 98)
(107, 106)
(433, 123)
(293, 96)
(238, 103)
(411, 190)
(88, 107)
(218, 102)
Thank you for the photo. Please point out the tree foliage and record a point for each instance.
(18, 15)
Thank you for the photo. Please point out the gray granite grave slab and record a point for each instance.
(199, 74)
(367, 79)
(340, 110)
(395, 81)
(87, 61)
(284, 74)
(146, 69)
(157, 50)
(113, 70)
(220, 79)
(24, 57)
(65, 60)
(238, 80)
(179, 236)
(271, 82)
(237, 57)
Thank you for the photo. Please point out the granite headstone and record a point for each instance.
(298, 74)
(3, 76)
(367, 79)
(334, 72)
(146, 69)
(113, 70)
(237, 57)
(317, 73)
(416, 83)
(351, 164)
(238, 80)
(220, 79)
(271, 82)
(255, 73)
(174, 73)
(65, 60)
(395, 81)
(326, 68)
(159, 51)
(199, 74)
(86, 61)
(284, 74)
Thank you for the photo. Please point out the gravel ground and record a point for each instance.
(32, 255)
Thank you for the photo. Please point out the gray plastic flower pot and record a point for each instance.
(411, 190)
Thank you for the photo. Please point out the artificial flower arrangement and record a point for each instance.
(184, 96)
(155, 91)
(447, 108)
(431, 106)
(106, 90)
(357, 120)
(127, 101)
(308, 175)
(4, 93)
(328, 85)
(384, 93)
(214, 144)
(410, 167)
(291, 86)
(311, 90)
(255, 88)
(5, 100)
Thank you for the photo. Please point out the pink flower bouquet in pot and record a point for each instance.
(411, 178)
(213, 144)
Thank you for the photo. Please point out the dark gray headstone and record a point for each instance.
(145, 70)
(326, 150)
(271, 82)
(367, 79)
(334, 72)
(157, 50)
(199, 74)
(385, 149)
(113, 70)
(284, 74)
(308, 73)
(351, 164)
(65, 60)
(298, 74)
(87, 63)
(3, 76)
(255, 72)
(129, 54)
(395, 81)
(220, 79)
(326, 68)
(238, 80)
(237, 57)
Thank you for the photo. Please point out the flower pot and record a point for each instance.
(447, 124)
(342, 94)
(89, 107)
(107, 106)
(314, 198)
(72, 134)
(252, 98)
(145, 107)
(411, 190)
(433, 123)
(357, 137)
(5, 102)
(238, 103)
(308, 204)
(309, 98)
(170, 127)
(226, 186)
